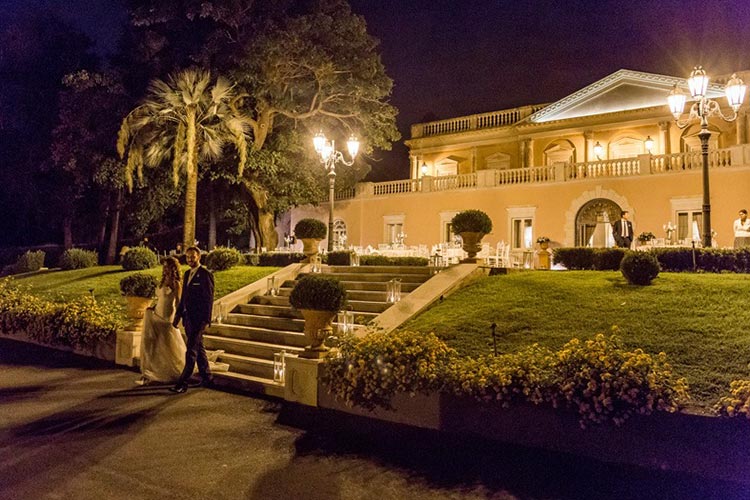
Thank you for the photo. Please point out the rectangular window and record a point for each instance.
(687, 222)
(522, 233)
(393, 230)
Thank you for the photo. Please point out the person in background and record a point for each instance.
(622, 230)
(742, 230)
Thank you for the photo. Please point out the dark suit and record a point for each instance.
(623, 241)
(194, 310)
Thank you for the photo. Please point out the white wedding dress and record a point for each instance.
(162, 345)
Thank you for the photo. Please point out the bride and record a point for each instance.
(162, 346)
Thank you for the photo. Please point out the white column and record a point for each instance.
(588, 153)
(664, 139)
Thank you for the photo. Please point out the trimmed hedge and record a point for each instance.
(29, 261)
(274, 259)
(223, 258)
(139, 258)
(382, 260)
(713, 260)
(78, 258)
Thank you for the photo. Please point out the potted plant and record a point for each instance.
(318, 298)
(472, 225)
(645, 237)
(139, 290)
(310, 231)
(543, 242)
(543, 253)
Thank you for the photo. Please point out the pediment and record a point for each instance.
(624, 90)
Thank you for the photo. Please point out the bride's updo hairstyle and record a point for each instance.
(170, 275)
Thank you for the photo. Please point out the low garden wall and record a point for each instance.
(708, 446)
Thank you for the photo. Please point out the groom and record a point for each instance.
(194, 310)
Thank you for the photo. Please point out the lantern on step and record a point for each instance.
(279, 366)
(354, 259)
(219, 318)
(271, 287)
(316, 264)
(393, 291)
(345, 321)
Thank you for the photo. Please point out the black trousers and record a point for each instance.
(195, 353)
(624, 242)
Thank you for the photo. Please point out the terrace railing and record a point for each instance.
(495, 119)
(560, 172)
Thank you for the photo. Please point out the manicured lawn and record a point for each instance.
(60, 286)
(702, 321)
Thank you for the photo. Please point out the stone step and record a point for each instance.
(248, 383)
(250, 348)
(400, 270)
(377, 277)
(246, 365)
(279, 311)
(370, 296)
(268, 322)
(377, 286)
(270, 300)
(277, 337)
(360, 306)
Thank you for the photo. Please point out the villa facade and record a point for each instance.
(562, 170)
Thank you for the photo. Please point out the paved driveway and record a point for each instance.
(74, 430)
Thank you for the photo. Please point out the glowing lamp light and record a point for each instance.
(424, 169)
(676, 100)
(735, 92)
(326, 151)
(319, 141)
(698, 82)
(353, 146)
(649, 143)
(279, 366)
(598, 149)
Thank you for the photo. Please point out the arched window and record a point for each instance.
(339, 234)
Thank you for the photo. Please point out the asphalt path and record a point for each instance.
(71, 428)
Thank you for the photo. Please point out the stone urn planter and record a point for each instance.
(139, 290)
(310, 231)
(472, 244)
(318, 298)
(310, 248)
(472, 225)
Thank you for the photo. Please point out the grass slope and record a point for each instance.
(702, 321)
(61, 286)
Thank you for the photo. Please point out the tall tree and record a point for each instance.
(303, 64)
(188, 121)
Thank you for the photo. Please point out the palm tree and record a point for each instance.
(191, 122)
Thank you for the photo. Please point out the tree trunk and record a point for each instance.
(68, 231)
(267, 230)
(264, 227)
(211, 217)
(191, 194)
(114, 229)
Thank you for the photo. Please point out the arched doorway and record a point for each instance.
(339, 234)
(596, 211)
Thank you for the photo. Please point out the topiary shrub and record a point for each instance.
(223, 258)
(78, 258)
(321, 293)
(639, 268)
(138, 285)
(474, 221)
(139, 258)
(29, 261)
(310, 228)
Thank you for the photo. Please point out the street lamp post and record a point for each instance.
(329, 157)
(702, 109)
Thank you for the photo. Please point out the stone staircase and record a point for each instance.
(252, 333)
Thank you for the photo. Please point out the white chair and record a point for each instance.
(501, 258)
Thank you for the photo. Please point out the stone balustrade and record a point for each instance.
(495, 119)
(735, 156)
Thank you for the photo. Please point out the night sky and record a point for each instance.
(456, 57)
